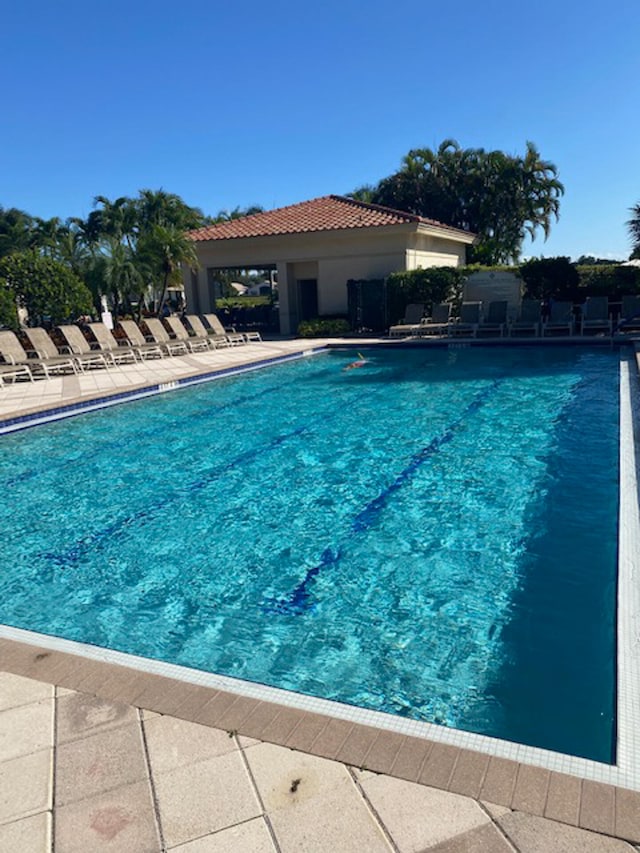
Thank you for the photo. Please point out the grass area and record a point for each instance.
(242, 302)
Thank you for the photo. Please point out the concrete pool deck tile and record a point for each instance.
(628, 815)
(28, 835)
(99, 763)
(357, 745)
(285, 778)
(282, 725)
(484, 839)
(383, 751)
(173, 743)
(307, 730)
(563, 798)
(214, 708)
(598, 807)
(468, 774)
(119, 821)
(418, 817)
(438, 769)
(257, 721)
(410, 758)
(250, 837)
(194, 697)
(237, 713)
(160, 695)
(27, 785)
(26, 729)
(80, 715)
(337, 821)
(499, 781)
(532, 834)
(329, 741)
(15, 690)
(201, 798)
(530, 792)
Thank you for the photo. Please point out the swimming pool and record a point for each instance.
(436, 488)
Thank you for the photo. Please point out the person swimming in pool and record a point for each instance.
(355, 364)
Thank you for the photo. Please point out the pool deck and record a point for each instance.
(96, 755)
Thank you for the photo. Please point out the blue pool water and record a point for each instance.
(432, 535)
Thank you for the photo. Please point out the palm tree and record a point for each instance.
(633, 225)
(163, 252)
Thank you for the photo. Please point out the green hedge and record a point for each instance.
(323, 327)
(431, 285)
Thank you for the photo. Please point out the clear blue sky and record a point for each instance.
(233, 104)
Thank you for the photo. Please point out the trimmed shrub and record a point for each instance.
(323, 327)
(611, 280)
(46, 288)
(431, 285)
(546, 278)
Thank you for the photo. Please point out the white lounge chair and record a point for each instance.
(217, 329)
(467, 323)
(560, 319)
(529, 319)
(595, 315)
(159, 335)
(179, 330)
(78, 346)
(410, 323)
(495, 321)
(137, 341)
(438, 322)
(107, 344)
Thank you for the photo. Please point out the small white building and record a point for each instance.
(316, 247)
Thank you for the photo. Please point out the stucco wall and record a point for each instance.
(339, 255)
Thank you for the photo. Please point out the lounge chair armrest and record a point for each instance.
(65, 350)
(8, 359)
(34, 353)
(149, 339)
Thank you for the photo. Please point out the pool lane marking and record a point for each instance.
(299, 599)
(73, 554)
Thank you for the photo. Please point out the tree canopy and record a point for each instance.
(45, 287)
(498, 196)
(634, 230)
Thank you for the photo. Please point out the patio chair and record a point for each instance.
(495, 321)
(108, 345)
(467, 324)
(438, 322)
(14, 364)
(179, 331)
(560, 319)
(410, 323)
(78, 346)
(629, 314)
(199, 330)
(46, 355)
(217, 329)
(529, 319)
(160, 336)
(138, 342)
(595, 315)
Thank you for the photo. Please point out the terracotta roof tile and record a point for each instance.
(328, 213)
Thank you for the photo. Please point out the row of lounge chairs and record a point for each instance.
(472, 321)
(153, 339)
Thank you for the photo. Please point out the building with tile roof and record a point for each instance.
(316, 247)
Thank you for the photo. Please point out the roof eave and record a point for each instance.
(457, 234)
